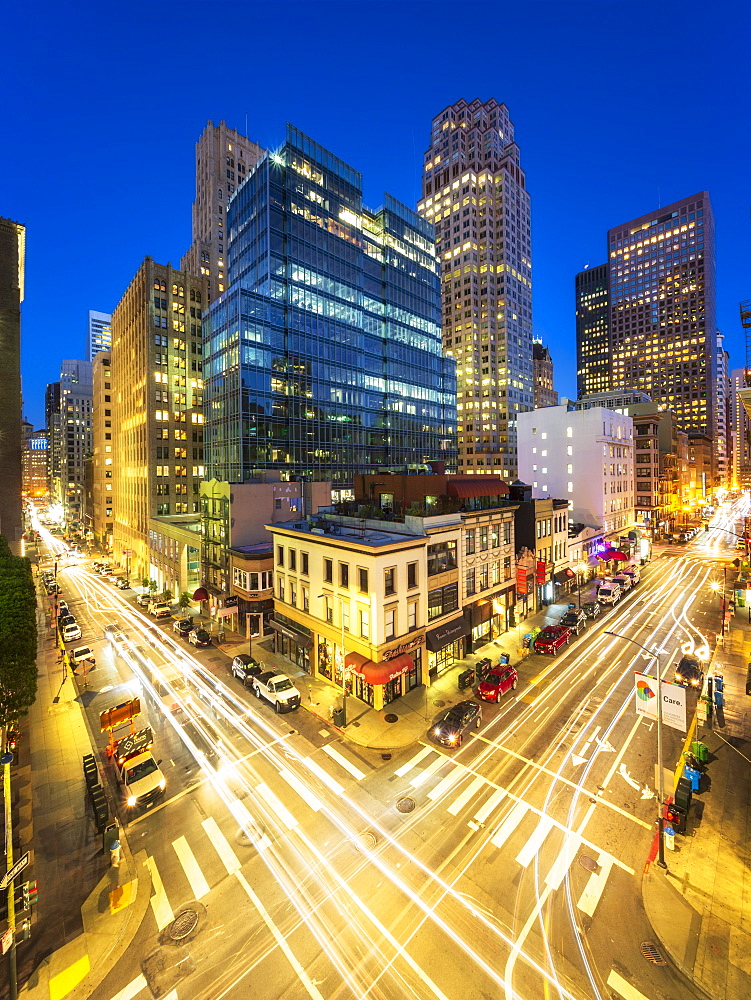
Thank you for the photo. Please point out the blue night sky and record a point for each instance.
(617, 107)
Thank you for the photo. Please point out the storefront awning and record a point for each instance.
(563, 576)
(355, 661)
(385, 670)
(441, 636)
(299, 637)
(201, 594)
(224, 612)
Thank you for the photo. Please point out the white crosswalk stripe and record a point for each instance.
(279, 810)
(323, 775)
(159, 903)
(192, 869)
(344, 762)
(302, 789)
(221, 845)
(593, 890)
(463, 798)
(563, 862)
(489, 805)
(458, 772)
(535, 842)
(428, 772)
(509, 824)
(413, 761)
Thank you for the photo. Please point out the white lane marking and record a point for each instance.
(413, 762)
(535, 842)
(461, 800)
(343, 762)
(486, 809)
(595, 884)
(280, 811)
(626, 990)
(429, 771)
(509, 824)
(245, 820)
(319, 772)
(562, 863)
(132, 989)
(159, 903)
(440, 789)
(192, 869)
(302, 975)
(221, 845)
(301, 788)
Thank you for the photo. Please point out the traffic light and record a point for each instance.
(30, 894)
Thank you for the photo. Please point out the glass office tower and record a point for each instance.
(323, 358)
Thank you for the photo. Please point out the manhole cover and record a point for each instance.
(385, 756)
(391, 717)
(183, 925)
(588, 863)
(439, 704)
(651, 952)
(365, 842)
(405, 805)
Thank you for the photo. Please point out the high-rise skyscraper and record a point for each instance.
(542, 372)
(740, 432)
(223, 159)
(474, 191)
(157, 417)
(592, 331)
(324, 356)
(74, 444)
(54, 455)
(12, 265)
(662, 331)
(100, 335)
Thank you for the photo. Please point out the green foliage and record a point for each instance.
(144, 581)
(152, 585)
(185, 599)
(166, 595)
(18, 636)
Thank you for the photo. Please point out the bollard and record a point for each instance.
(669, 836)
(115, 853)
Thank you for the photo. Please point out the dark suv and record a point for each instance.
(575, 619)
(246, 668)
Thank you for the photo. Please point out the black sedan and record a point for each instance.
(246, 668)
(591, 609)
(199, 637)
(575, 619)
(689, 674)
(450, 726)
(183, 626)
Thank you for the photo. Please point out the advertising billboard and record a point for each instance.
(673, 701)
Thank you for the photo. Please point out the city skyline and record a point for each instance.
(588, 162)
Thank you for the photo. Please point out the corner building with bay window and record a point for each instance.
(324, 356)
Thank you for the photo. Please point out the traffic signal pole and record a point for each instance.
(11, 890)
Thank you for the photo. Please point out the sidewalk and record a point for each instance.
(405, 720)
(77, 935)
(700, 910)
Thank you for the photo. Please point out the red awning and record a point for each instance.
(201, 594)
(355, 661)
(481, 486)
(385, 670)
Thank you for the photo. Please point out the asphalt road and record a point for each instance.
(510, 867)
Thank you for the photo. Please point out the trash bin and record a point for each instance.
(110, 834)
(700, 751)
(505, 659)
(719, 699)
(338, 717)
(669, 835)
(693, 776)
(683, 794)
(676, 817)
(466, 678)
(115, 853)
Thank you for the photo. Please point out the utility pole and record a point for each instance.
(11, 890)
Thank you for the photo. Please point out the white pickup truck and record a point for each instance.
(137, 771)
(277, 689)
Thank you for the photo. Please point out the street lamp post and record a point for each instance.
(660, 782)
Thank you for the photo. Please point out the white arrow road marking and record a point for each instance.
(605, 746)
(576, 760)
(647, 793)
(627, 777)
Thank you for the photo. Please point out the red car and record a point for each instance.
(552, 638)
(497, 682)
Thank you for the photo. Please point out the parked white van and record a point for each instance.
(634, 572)
(624, 581)
(609, 592)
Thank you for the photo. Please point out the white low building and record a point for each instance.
(586, 456)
